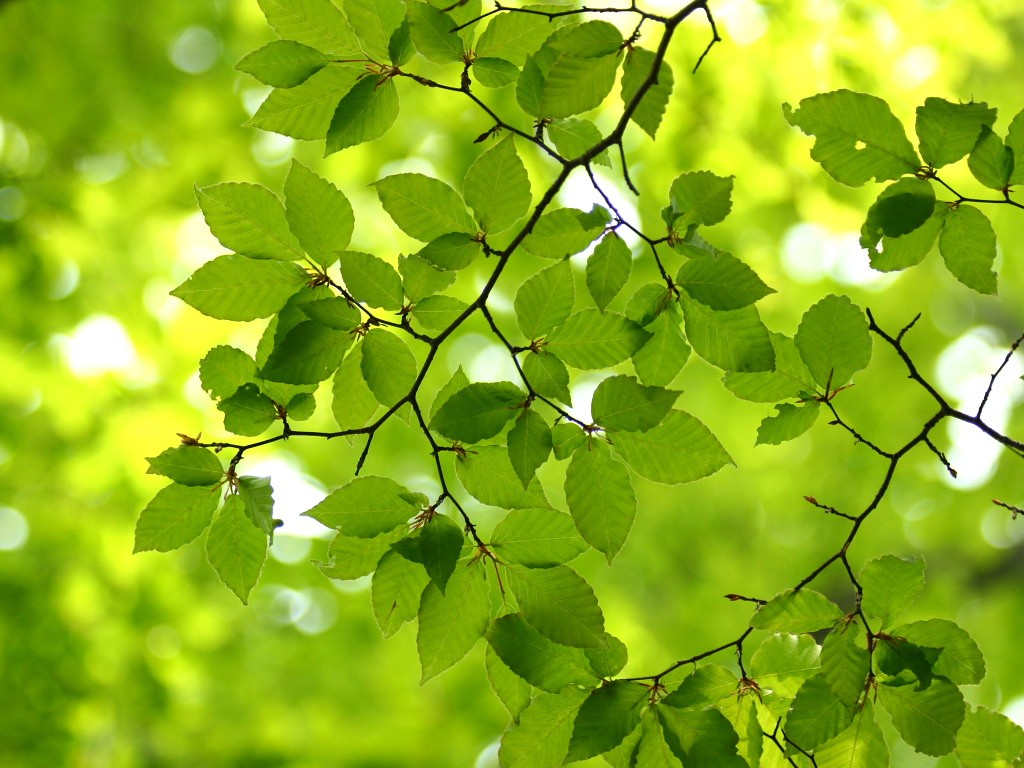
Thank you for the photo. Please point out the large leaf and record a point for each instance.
(371, 280)
(451, 622)
(497, 187)
(721, 281)
(238, 288)
(590, 339)
(989, 739)
(365, 113)
(701, 739)
(536, 538)
(600, 497)
(796, 612)
(318, 213)
(608, 715)
(236, 548)
(890, 586)
(564, 232)
(224, 370)
(926, 717)
(947, 131)
(514, 36)
(248, 219)
(316, 23)
(621, 403)
(679, 450)
(861, 745)
(950, 651)
(529, 445)
(659, 361)
(478, 411)
(423, 207)
(367, 506)
(790, 379)
(968, 246)
(353, 403)
(559, 604)
(845, 662)
(736, 340)
(309, 354)
(175, 516)
(431, 30)
(541, 739)
(545, 300)
(817, 714)
(780, 665)
(305, 111)
(701, 197)
(374, 21)
(388, 365)
(833, 340)
(541, 662)
(705, 687)
(608, 269)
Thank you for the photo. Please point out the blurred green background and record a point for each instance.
(110, 111)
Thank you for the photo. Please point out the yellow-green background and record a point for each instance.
(112, 109)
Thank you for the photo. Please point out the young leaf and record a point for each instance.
(478, 411)
(891, 585)
(175, 516)
(457, 382)
(833, 340)
(651, 109)
(238, 288)
(365, 113)
(817, 714)
(951, 652)
(901, 208)
(788, 423)
(421, 279)
(846, 663)
(305, 111)
(862, 745)
(316, 23)
(781, 664)
(309, 354)
(608, 660)
(559, 604)
(492, 72)
(705, 687)
(248, 412)
(451, 622)
(590, 339)
(721, 282)
(701, 197)
(431, 31)
(396, 591)
(423, 207)
(435, 313)
(926, 717)
(511, 689)
(353, 403)
(374, 21)
(400, 46)
(608, 269)
(371, 280)
(796, 612)
(224, 370)
(541, 739)
(514, 36)
(497, 187)
(653, 751)
(367, 506)
(991, 161)
(703, 739)
(388, 365)
(536, 538)
(236, 548)
(600, 497)
(563, 232)
(188, 465)
(283, 63)
(488, 476)
(968, 246)
(947, 131)
(537, 660)
(659, 361)
(547, 375)
(529, 445)
(257, 497)
(352, 557)
(335, 313)
(574, 136)
(790, 379)
(453, 251)
(249, 220)
(857, 137)
(608, 715)
(896, 253)
(566, 437)
(621, 403)
(989, 739)
(545, 301)
(440, 543)
(318, 213)
(736, 340)
(1015, 141)
(648, 302)
(679, 450)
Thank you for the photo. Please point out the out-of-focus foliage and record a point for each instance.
(111, 111)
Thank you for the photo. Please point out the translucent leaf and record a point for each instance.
(790, 379)
(450, 623)
(608, 661)
(861, 745)
(891, 585)
(706, 686)
(248, 412)
(497, 187)
(318, 213)
(421, 279)
(653, 751)
(968, 246)
(316, 23)
(780, 665)
(817, 714)
(679, 450)
(301, 407)
(545, 300)
(1015, 141)
(478, 411)
(574, 136)
(335, 313)
(488, 476)
(374, 21)
(947, 131)
(701, 197)
(529, 445)
(188, 465)
(352, 557)
(608, 715)
(431, 31)
(537, 660)
(559, 604)
(367, 506)
(396, 591)
(989, 739)
(547, 375)
(789, 422)
(833, 340)
(701, 738)
(621, 403)
(456, 382)
(536, 538)
(175, 516)
(248, 219)
(845, 662)
(896, 253)
(514, 36)
(309, 354)
(541, 739)
(257, 497)
(901, 208)
(857, 137)
(452, 251)
(236, 548)
(636, 70)
(423, 207)
(238, 288)
(512, 690)
(305, 111)
(283, 63)
(736, 340)
(721, 282)
(365, 113)
(590, 339)
(353, 403)
(648, 303)
(796, 612)
(659, 361)
(372, 280)
(492, 72)
(224, 370)
(400, 47)
(441, 541)
(388, 366)
(600, 497)
(608, 269)
(566, 437)
(950, 651)
(991, 162)
(743, 713)
(926, 717)
(435, 313)
(563, 232)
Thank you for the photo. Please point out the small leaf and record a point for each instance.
(431, 30)
(488, 476)
(790, 379)
(435, 313)
(453, 251)
(367, 506)
(541, 739)
(545, 301)
(901, 208)
(396, 591)
(833, 340)
(309, 354)
(600, 497)
(248, 412)
(440, 543)
(788, 423)
(529, 445)
(175, 516)
(575, 136)
(257, 497)
(927, 718)
(621, 403)
(559, 604)
(352, 557)
(780, 665)
(318, 213)
(796, 612)
(238, 288)
(305, 111)
(736, 340)
(562, 232)
(890, 586)
(651, 109)
(590, 339)
(365, 113)
(968, 246)
(608, 715)
(898, 253)
(547, 375)
(248, 219)
(1015, 141)
(497, 187)
(846, 663)
(224, 370)
(659, 361)
(514, 36)
(721, 282)
(536, 538)
(451, 622)
(705, 687)
(457, 382)
(188, 465)
(648, 302)
(335, 313)
(478, 411)
(513, 691)
(991, 162)
(421, 279)
(947, 131)
(492, 72)
(566, 438)
(388, 366)
(371, 280)
(989, 739)
(608, 269)
(539, 661)
(608, 660)
(236, 548)
(423, 207)
(679, 450)
(283, 63)
(353, 404)
(701, 197)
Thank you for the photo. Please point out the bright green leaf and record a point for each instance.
(354, 403)
(796, 612)
(367, 506)
(318, 213)
(309, 354)
(316, 23)
(541, 739)
(421, 279)
(817, 714)
(790, 379)
(497, 187)
(608, 269)
(539, 661)
(659, 361)
(224, 370)
(451, 622)
(238, 288)
(236, 548)
(545, 300)
(926, 717)
(188, 465)
(833, 340)
(621, 403)
(248, 411)
(890, 586)
(431, 31)
(989, 739)
(721, 282)
(547, 375)
(701, 738)
(563, 232)
(283, 63)
(435, 313)
(600, 497)
(529, 445)
(374, 21)
(488, 476)
(862, 745)
(536, 538)
(452, 251)
(901, 208)
(788, 423)
(636, 70)
(679, 450)
(305, 111)
(559, 604)
(590, 339)
(371, 280)
(365, 113)
(968, 246)
(991, 162)
(175, 516)
(706, 686)
(736, 340)
(608, 715)
(388, 365)
(440, 544)
(396, 591)
(423, 207)
(512, 690)
(478, 411)
(574, 136)
(947, 131)
(701, 197)
(846, 663)
(249, 220)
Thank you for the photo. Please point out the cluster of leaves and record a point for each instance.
(374, 325)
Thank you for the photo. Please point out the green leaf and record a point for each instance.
(353, 404)
(566, 437)
(365, 113)
(541, 739)
(600, 497)
(857, 137)
(238, 288)
(846, 663)
(257, 497)
(421, 279)
(497, 187)
(890, 586)
(833, 340)
(388, 365)
(400, 47)
(224, 370)
(701, 197)
(862, 745)
(947, 131)
(431, 31)
(590, 339)
(743, 712)
(423, 207)
(493, 72)
(374, 21)
(372, 280)
(968, 246)
(188, 465)
(248, 219)
(175, 516)
(301, 407)
(796, 612)
(536, 538)
(608, 661)
(435, 313)
(991, 162)
(396, 591)
(1015, 141)
(790, 379)
(318, 213)
(537, 660)
(559, 604)
(951, 652)
(512, 690)
(780, 665)
(547, 375)
(817, 714)
(705, 687)
(788, 423)
(545, 301)
(514, 36)
(621, 403)
(488, 476)
(456, 382)
(453, 251)
(648, 302)
(701, 739)
(440, 543)
(529, 445)
(305, 111)
(352, 557)
(609, 714)
(478, 411)
(367, 506)
(452, 621)
(248, 412)
(679, 450)
(989, 739)
(283, 63)
(574, 136)
(236, 548)
(335, 313)
(898, 253)
(901, 208)
(926, 717)
(309, 353)
(659, 361)
(721, 282)
(636, 70)
(608, 269)
(563, 232)
(736, 340)
(316, 23)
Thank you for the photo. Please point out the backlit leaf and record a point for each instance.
(224, 370)
(608, 269)
(236, 548)
(547, 375)
(478, 411)
(796, 612)
(388, 365)
(188, 465)
(608, 715)
(248, 411)
(497, 187)
(861, 745)
(423, 207)
(559, 604)
(891, 585)
(927, 718)
(541, 662)
(238, 288)
(991, 162)
(947, 132)
(309, 354)
(451, 622)
(563, 232)
(736, 340)
(833, 340)
(396, 591)
(590, 339)
(488, 476)
(659, 361)
(968, 246)
(545, 300)
(283, 63)
(175, 516)
(679, 450)
(316, 23)
(989, 739)
(529, 445)
(789, 422)
(374, 21)
(367, 506)
(371, 280)
(541, 739)
(600, 497)
(536, 538)
(305, 111)
(440, 543)
(721, 282)
(621, 403)
(513, 691)
(701, 197)
(318, 213)
(636, 70)
(365, 113)
(249, 220)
